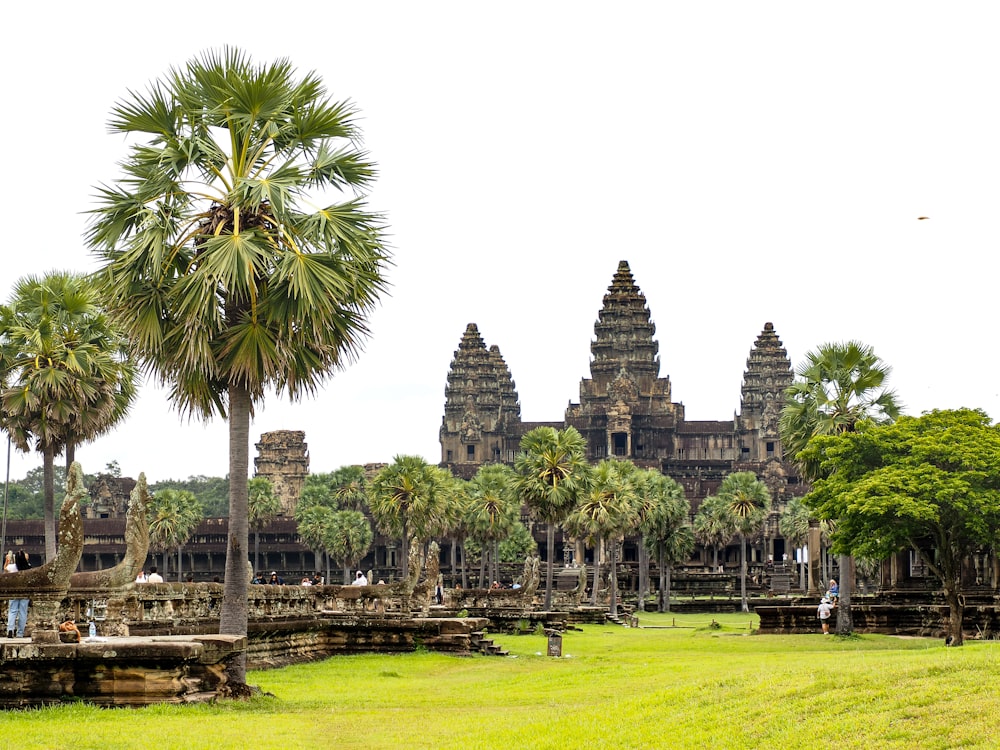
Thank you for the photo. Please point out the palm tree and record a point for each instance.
(670, 550)
(663, 522)
(407, 499)
(793, 524)
(314, 514)
(552, 469)
(748, 501)
(64, 377)
(713, 525)
(839, 386)
(228, 277)
(173, 515)
(263, 506)
(491, 513)
(605, 512)
(347, 537)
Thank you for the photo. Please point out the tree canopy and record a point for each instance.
(223, 258)
(928, 483)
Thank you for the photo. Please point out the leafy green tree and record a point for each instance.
(228, 277)
(605, 512)
(263, 506)
(491, 513)
(928, 483)
(407, 500)
(63, 377)
(552, 470)
(748, 501)
(212, 492)
(663, 522)
(839, 386)
(173, 515)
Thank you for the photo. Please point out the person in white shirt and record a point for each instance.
(141, 578)
(153, 576)
(360, 580)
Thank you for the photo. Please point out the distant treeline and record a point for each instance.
(24, 497)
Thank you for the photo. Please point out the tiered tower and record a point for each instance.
(283, 457)
(482, 415)
(625, 408)
(768, 374)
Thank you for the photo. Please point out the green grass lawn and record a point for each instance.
(673, 687)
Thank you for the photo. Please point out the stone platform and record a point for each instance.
(132, 671)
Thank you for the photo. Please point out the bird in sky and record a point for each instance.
(922, 218)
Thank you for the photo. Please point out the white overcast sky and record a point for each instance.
(753, 161)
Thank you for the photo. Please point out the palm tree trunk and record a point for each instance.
(49, 493)
(404, 562)
(613, 579)
(643, 574)
(70, 455)
(256, 550)
(465, 578)
(550, 543)
(743, 574)
(482, 567)
(664, 597)
(233, 615)
(845, 622)
(597, 571)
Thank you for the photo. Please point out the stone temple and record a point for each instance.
(626, 409)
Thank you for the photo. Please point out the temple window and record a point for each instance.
(620, 440)
(470, 452)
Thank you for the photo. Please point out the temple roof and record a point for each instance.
(768, 374)
(624, 332)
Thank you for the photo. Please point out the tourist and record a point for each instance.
(834, 592)
(359, 580)
(153, 576)
(823, 613)
(275, 579)
(317, 579)
(141, 578)
(17, 609)
(307, 581)
(258, 579)
(189, 578)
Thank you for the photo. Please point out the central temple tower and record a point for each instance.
(625, 408)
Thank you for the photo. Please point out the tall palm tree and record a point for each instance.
(491, 513)
(605, 512)
(748, 501)
(552, 469)
(713, 525)
(839, 385)
(220, 259)
(793, 524)
(263, 506)
(347, 537)
(407, 499)
(663, 522)
(64, 377)
(173, 515)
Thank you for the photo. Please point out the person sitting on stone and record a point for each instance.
(275, 579)
(154, 576)
(142, 577)
(359, 580)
